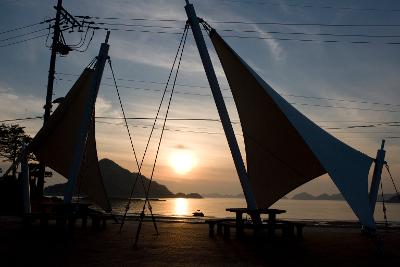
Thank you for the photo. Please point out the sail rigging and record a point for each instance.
(55, 143)
(284, 148)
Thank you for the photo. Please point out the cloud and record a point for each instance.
(273, 45)
(13, 105)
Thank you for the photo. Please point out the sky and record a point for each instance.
(358, 81)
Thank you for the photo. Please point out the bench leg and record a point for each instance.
(219, 229)
(71, 222)
(95, 223)
(288, 230)
(211, 229)
(227, 232)
(239, 231)
(84, 222)
(299, 230)
(271, 231)
(44, 221)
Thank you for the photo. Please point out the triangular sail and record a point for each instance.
(284, 149)
(55, 143)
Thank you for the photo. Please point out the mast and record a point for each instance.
(50, 85)
(85, 122)
(221, 107)
(376, 177)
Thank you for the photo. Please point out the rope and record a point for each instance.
(161, 136)
(391, 178)
(384, 206)
(151, 133)
(132, 146)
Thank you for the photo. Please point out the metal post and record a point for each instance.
(50, 83)
(85, 121)
(219, 101)
(26, 196)
(376, 177)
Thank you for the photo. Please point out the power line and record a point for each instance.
(23, 41)
(22, 27)
(302, 24)
(388, 123)
(253, 31)
(251, 22)
(178, 129)
(207, 95)
(311, 34)
(22, 35)
(274, 3)
(21, 119)
(255, 37)
(306, 40)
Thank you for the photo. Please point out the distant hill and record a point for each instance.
(118, 183)
(190, 195)
(217, 195)
(389, 198)
(307, 196)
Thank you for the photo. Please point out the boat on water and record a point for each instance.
(198, 213)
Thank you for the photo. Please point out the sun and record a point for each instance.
(182, 161)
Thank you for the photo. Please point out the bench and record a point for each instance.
(99, 220)
(216, 221)
(44, 218)
(287, 227)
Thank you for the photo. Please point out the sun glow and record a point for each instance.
(181, 206)
(182, 161)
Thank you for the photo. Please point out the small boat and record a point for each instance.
(198, 213)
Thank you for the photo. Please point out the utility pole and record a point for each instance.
(65, 19)
(50, 84)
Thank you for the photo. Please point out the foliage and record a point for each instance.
(12, 137)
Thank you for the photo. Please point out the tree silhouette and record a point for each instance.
(12, 138)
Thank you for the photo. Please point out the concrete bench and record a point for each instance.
(218, 222)
(99, 220)
(287, 228)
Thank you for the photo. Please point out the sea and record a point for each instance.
(305, 210)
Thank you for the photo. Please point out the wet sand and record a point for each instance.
(188, 244)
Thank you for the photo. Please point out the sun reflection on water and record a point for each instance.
(181, 206)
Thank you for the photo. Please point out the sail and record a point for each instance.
(284, 149)
(54, 144)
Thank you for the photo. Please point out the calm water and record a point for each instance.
(324, 210)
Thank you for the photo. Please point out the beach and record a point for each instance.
(188, 244)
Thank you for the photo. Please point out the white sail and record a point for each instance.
(54, 144)
(284, 149)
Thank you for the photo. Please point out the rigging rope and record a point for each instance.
(151, 133)
(132, 146)
(391, 178)
(384, 206)
(160, 140)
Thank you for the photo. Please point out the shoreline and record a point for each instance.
(308, 222)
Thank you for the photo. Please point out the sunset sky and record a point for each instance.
(358, 81)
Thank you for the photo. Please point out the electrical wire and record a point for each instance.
(297, 5)
(22, 27)
(22, 35)
(23, 41)
(254, 31)
(251, 22)
(207, 87)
